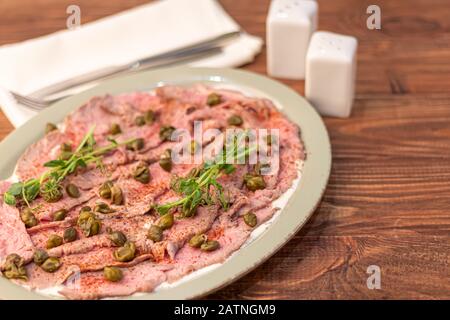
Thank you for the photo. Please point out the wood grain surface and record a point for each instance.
(388, 199)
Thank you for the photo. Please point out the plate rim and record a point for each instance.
(305, 198)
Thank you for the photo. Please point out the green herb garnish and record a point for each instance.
(201, 187)
(48, 185)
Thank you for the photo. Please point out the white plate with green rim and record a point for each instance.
(282, 227)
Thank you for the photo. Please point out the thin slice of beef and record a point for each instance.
(40, 279)
(75, 265)
(13, 235)
(182, 230)
(144, 277)
(102, 112)
(134, 228)
(140, 197)
(31, 163)
(196, 95)
(140, 101)
(98, 259)
(45, 209)
(231, 239)
(96, 112)
(43, 227)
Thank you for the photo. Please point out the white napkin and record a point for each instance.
(137, 33)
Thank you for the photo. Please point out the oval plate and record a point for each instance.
(299, 208)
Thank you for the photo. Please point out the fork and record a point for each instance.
(32, 103)
(210, 47)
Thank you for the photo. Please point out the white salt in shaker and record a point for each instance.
(330, 73)
(289, 25)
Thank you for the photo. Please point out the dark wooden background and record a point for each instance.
(388, 199)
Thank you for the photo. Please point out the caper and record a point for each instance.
(70, 234)
(190, 109)
(125, 253)
(139, 121)
(108, 230)
(235, 120)
(112, 274)
(28, 218)
(197, 240)
(14, 267)
(39, 256)
(254, 182)
(51, 264)
(86, 209)
(66, 151)
(60, 215)
(165, 133)
(72, 191)
(95, 229)
(167, 153)
(103, 208)
(193, 147)
(16, 273)
(54, 241)
(165, 161)
(250, 219)
(84, 215)
(155, 233)
(166, 221)
(49, 127)
(115, 129)
(105, 190)
(213, 99)
(116, 195)
(53, 196)
(210, 245)
(142, 173)
(136, 144)
(166, 164)
(118, 238)
(66, 147)
(149, 117)
(65, 155)
(15, 259)
(88, 222)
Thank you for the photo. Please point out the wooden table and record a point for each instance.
(388, 199)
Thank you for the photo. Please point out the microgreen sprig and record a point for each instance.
(201, 187)
(49, 183)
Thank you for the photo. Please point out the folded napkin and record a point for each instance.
(137, 33)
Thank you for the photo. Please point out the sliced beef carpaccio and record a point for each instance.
(83, 260)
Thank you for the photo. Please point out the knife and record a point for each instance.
(191, 52)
